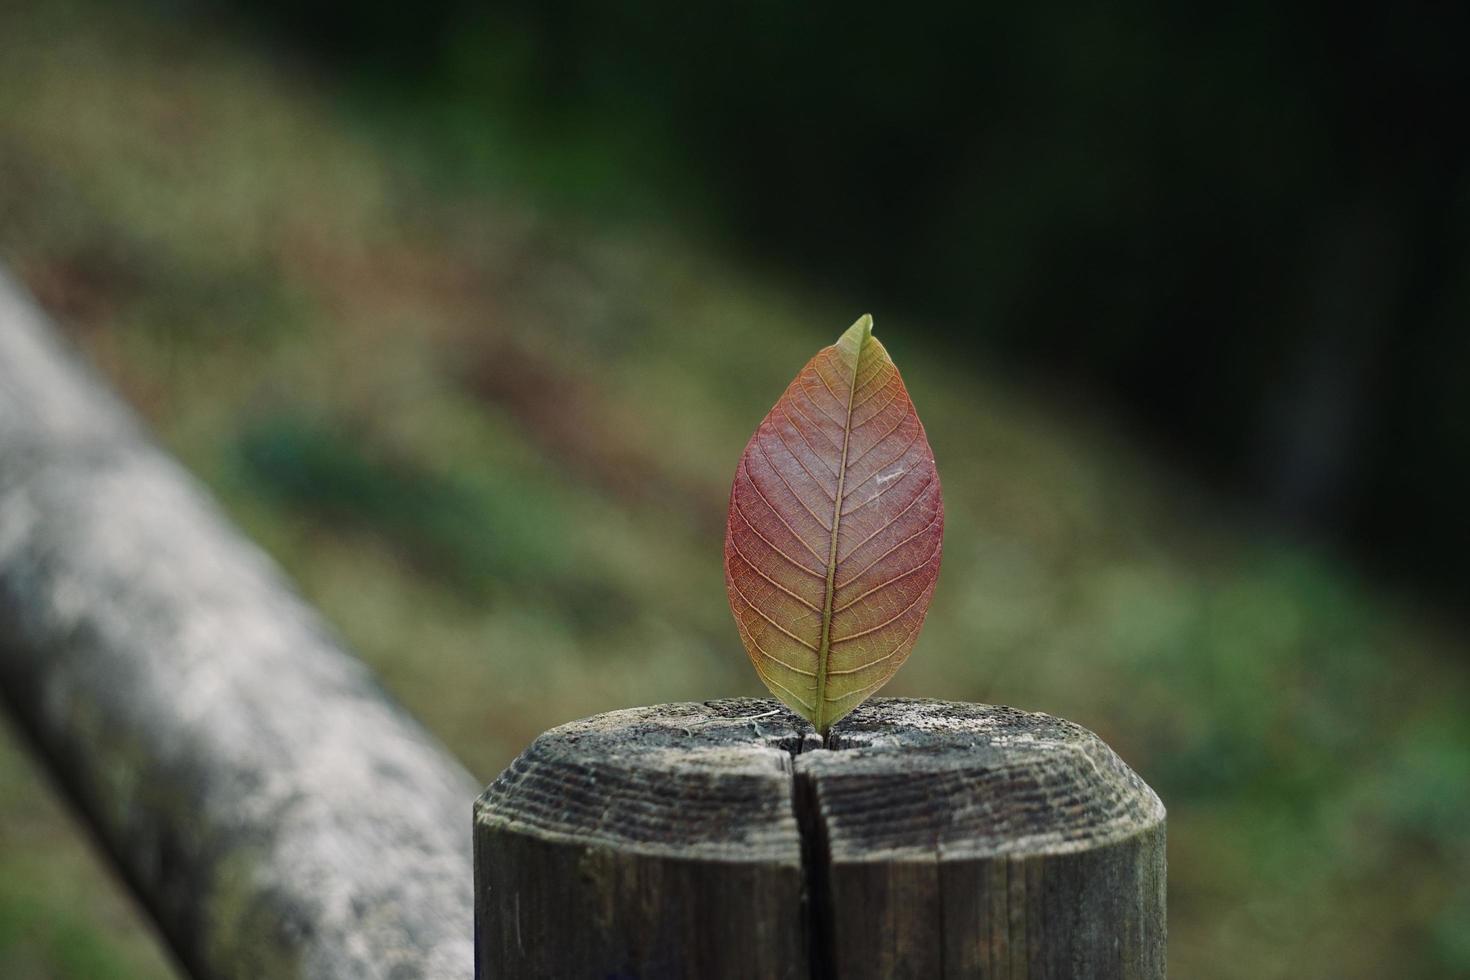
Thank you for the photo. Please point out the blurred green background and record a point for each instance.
(466, 314)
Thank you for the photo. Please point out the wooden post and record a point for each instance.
(925, 839)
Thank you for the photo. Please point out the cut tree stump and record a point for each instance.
(925, 839)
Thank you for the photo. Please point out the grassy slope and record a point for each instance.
(493, 446)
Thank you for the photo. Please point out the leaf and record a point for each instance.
(834, 533)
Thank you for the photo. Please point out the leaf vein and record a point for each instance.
(774, 659)
(770, 680)
(815, 404)
(902, 575)
(887, 622)
(779, 516)
(812, 476)
(823, 378)
(762, 614)
(859, 404)
(892, 399)
(757, 570)
(767, 541)
(792, 490)
(880, 493)
(873, 663)
(878, 442)
(896, 518)
(857, 575)
(794, 404)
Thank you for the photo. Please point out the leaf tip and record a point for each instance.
(856, 335)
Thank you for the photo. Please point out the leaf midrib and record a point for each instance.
(824, 649)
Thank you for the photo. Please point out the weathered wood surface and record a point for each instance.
(277, 814)
(722, 839)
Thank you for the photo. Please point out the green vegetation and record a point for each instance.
(494, 447)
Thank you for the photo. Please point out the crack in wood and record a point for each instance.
(816, 863)
(918, 839)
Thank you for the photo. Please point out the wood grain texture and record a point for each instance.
(990, 842)
(835, 529)
(929, 840)
(274, 811)
(654, 842)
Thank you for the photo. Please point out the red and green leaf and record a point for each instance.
(835, 528)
